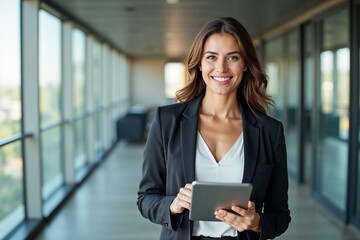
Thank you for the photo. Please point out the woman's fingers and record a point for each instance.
(251, 206)
(186, 192)
(242, 219)
(239, 210)
(232, 219)
(182, 200)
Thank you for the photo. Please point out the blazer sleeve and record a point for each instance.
(275, 217)
(152, 200)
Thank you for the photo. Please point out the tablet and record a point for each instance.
(206, 197)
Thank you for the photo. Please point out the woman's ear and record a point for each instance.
(200, 68)
(245, 68)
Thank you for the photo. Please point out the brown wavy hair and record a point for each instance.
(253, 85)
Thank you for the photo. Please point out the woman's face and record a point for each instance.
(222, 65)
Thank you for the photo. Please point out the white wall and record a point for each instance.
(147, 83)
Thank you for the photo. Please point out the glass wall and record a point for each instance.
(97, 96)
(332, 111)
(274, 67)
(42, 156)
(292, 86)
(50, 98)
(11, 187)
(11, 162)
(308, 99)
(282, 56)
(78, 59)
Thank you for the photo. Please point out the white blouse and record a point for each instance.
(229, 169)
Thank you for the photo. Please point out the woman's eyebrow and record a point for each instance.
(229, 53)
(234, 52)
(210, 52)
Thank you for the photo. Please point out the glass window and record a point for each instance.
(97, 96)
(274, 60)
(333, 110)
(98, 132)
(97, 73)
(308, 99)
(49, 68)
(10, 102)
(11, 187)
(292, 102)
(174, 78)
(78, 70)
(50, 107)
(78, 76)
(79, 144)
(116, 77)
(11, 162)
(52, 168)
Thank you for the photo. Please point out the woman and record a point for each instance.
(218, 132)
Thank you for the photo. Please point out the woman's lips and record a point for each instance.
(221, 80)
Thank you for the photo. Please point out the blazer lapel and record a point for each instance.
(188, 135)
(251, 141)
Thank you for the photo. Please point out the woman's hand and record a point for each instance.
(182, 200)
(245, 219)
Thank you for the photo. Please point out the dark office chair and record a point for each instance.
(132, 126)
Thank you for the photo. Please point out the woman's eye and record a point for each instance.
(210, 57)
(233, 58)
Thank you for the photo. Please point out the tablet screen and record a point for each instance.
(206, 197)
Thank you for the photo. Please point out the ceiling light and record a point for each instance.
(172, 1)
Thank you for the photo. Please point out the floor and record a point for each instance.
(104, 207)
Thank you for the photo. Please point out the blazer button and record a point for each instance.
(165, 224)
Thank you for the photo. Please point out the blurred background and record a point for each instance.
(80, 79)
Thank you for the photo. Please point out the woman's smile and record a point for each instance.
(221, 80)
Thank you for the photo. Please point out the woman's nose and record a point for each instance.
(221, 66)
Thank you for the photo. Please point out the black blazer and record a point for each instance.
(169, 163)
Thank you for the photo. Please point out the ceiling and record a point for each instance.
(153, 28)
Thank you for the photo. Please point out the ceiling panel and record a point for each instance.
(148, 28)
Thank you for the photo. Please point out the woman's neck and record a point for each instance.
(220, 106)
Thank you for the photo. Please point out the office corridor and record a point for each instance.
(104, 207)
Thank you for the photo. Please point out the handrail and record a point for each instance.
(14, 139)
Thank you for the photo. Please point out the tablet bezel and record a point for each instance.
(206, 197)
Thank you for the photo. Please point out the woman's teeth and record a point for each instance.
(221, 79)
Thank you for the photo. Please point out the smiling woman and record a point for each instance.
(254, 83)
(222, 66)
(218, 132)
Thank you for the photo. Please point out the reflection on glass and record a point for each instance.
(292, 102)
(80, 150)
(52, 169)
(78, 70)
(333, 111)
(49, 67)
(11, 187)
(308, 99)
(10, 102)
(97, 73)
(274, 69)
